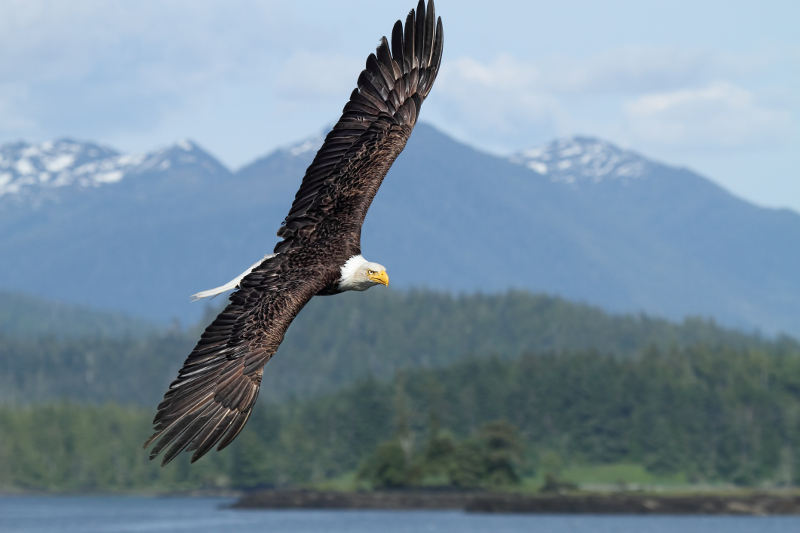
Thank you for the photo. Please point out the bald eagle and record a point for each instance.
(320, 252)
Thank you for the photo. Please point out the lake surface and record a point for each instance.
(207, 515)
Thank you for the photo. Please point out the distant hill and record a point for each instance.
(26, 317)
(578, 218)
(337, 341)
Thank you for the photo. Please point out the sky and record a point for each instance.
(713, 86)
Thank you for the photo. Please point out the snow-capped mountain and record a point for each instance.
(581, 161)
(578, 217)
(35, 172)
(307, 147)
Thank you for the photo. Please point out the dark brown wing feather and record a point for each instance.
(213, 396)
(216, 389)
(372, 131)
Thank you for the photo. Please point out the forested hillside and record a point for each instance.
(710, 414)
(406, 376)
(334, 342)
(89, 369)
(26, 316)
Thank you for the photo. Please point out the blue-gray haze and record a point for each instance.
(448, 217)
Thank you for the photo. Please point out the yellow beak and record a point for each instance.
(380, 277)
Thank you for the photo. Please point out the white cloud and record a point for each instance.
(501, 99)
(11, 121)
(631, 69)
(503, 73)
(310, 75)
(720, 115)
(642, 93)
(109, 66)
(142, 72)
(634, 69)
(512, 101)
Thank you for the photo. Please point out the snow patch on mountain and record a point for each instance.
(33, 170)
(582, 161)
(310, 144)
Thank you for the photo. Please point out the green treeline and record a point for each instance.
(493, 457)
(404, 388)
(28, 316)
(333, 343)
(714, 413)
(68, 448)
(92, 369)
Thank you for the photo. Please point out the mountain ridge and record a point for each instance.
(581, 160)
(600, 225)
(56, 165)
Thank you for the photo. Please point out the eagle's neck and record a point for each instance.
(349, 281)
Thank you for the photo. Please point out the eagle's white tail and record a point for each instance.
(232, 284)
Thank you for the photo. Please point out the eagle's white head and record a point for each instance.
(358, 274)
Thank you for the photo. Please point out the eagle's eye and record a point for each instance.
(370, 272)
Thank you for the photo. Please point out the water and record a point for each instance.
(208, 515)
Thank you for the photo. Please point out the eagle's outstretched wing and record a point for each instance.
(216, 388)
(211, 400)
(372, 131)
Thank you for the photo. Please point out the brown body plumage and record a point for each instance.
(214, 393)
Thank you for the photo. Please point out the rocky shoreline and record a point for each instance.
(485, 502)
